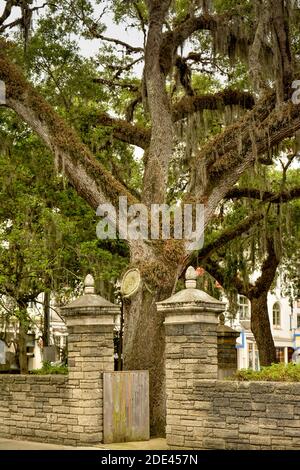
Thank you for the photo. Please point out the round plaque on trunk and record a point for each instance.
(130, 283)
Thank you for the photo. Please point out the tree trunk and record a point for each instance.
(46, 329)
(22, 349)
(261, 329)
(258, 295)
(144, 349)
(144, 336)
(22, 337)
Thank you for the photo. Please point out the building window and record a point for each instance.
(243, 307)
(280, 354)
(298, 321)
(276, 315)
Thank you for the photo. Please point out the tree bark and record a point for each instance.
(161, 143)
(144, 337)
(22, 350)
(282, 46)
(260, 322)
(46, 326)
(257, 294)
(144, 342)
(22, 337)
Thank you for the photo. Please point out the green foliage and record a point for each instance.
(244, 6)
(274, 373)
(47, 232)
(50, 369)
(243, 256)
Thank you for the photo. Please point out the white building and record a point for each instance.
(36, 352)
(285, 326)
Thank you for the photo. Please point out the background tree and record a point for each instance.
(47, 242)
(246, 253)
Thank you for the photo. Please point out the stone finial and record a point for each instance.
(222, 319)
(89, 285)
(190, 278)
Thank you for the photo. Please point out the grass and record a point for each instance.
(49, 368)
(274, 373)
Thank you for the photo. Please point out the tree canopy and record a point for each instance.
(206, 90)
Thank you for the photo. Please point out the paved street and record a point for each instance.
(153, 444)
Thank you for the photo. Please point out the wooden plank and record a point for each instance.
(126, 406)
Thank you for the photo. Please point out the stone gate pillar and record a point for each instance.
(227, 352)
(191, 322)
(90, 323)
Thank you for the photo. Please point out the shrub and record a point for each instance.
(49, 368)
(274, 373)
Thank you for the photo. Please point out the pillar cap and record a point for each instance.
(90, 303)
(89, 285)
(191, 298)
(224, 330)
(190, 278)
(191, 305)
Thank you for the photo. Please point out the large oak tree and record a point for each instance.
(189, 139)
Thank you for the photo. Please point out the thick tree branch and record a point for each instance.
(117, 83)
(228, 155)
(7, 11)
(161, 142)
(283, 56)
(188, 26)
(173, 39)
(129, 49)
(231, 23)
(139, 136)
(19, 21)
(123, 130)
(268, 272)
(229, 235)
(268, 196)
(214, 102)
(214, 269)
(225, 237)
(91, 180)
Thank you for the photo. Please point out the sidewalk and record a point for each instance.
(153, 444)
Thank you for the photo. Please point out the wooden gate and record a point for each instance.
(126, 406)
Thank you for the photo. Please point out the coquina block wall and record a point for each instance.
(65, 409)
(214, 414)
(37, 407)
(204, 412)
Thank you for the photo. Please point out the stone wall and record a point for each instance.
(215, 414)
(66, 409)
(44, 408)
(204, 412)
